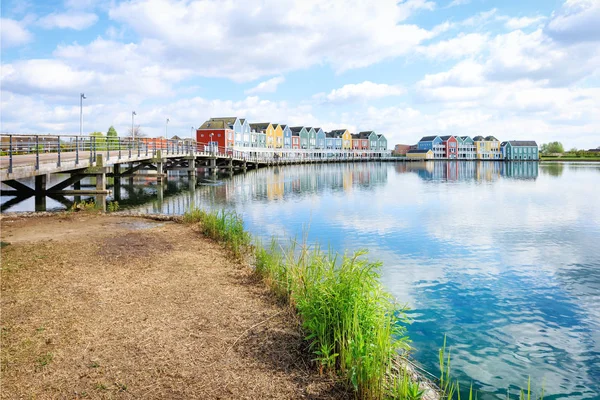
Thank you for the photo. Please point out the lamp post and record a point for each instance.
(133, 114)
(192, 134)
(212, 146)
(166, 128)
(81, 97)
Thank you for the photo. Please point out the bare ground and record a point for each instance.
(115, 307)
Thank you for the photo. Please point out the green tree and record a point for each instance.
(552, 147)
(112, 138)
(98, 141)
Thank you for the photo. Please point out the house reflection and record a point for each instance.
(478, 171)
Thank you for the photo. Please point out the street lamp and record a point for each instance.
(212, 146)
(166, 127)
(133, 114)
(81, 97)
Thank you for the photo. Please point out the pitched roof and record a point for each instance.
(365, 135)
(229, 120)
(522, 143)
(427, 138)
(415, 151)
(308, 128)
(366, 132)
(283, 127)
(491, 139)
(214, 124)
(355, 136)
(242, 120)
(296, 129)
(175, 138)
(380, 135)
(318, 129)
(478, 138)
(260, 127)
(465, 137)
(444, 138)
(338, 132)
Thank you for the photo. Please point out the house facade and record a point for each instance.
(303, 134)
(518, 150)
(344, 136)
(426, 154)
(295, 140)
(215, 134)
(320, 135)
(450, 146)
(402, 149)
(245, 133)
(466, 148)
(487, 148)
(381, 143)
(261, 132)
(356, 142)
(277, 136)
(312, 138)
(287, 137)
(234, 124)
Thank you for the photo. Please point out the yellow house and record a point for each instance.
(346, 140)
(420, 154)
(487, 148)
(277, 136)
(267, 129)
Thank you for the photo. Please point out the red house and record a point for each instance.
(295, 141)
(215, 133)
(450, 146)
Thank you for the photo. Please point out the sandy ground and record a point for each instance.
(116, 307)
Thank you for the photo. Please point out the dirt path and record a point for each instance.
(116, 307)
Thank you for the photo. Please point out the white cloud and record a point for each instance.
(234, 41)
(577, 20)
(522, 22)
(268, 86)
(460, 46)
(13, 33)
(360, 91)
(71, 20)
(480, 19)
(455, 3)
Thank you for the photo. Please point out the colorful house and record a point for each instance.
(235, 124)
(364, 139)
(402, 149)
(373, 139)
(450, 145)
(303, 134)
(245, 133)
(425, 154)
(466, 148)
(514, 150)
(312, 138)
(333, 140)
(215, 133)
(262, 130)
(487, 148)
(287, 137)
(381, 142)
(344, 135)
(433, 143)
(320, 135)
(295, 139)
(277, 136)
(356, 142)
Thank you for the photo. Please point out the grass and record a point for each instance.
(354, 328)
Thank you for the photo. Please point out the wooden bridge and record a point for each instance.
(37, 156)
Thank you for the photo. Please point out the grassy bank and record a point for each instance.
(568, 158)
(353, 326)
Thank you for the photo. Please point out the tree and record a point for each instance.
(573, 150)
(138, 132)
(98, 141)
(552, 147)
(112, 137)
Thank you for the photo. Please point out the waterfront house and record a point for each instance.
(381, 142)
(320, 135)
(287, 137)
(356, 142)
(215, 133)
(234, 124)
(487, 148)
(466, 148)
(245, 133)
(344, 136)
(295, 139)
(450, 145)
(312, 138)
(262, 130)
(513, 150)
(329, 140)
(425, 154)
(364, 139)
(277, 136)
(372, 138)
(433, 143)
(303, 134)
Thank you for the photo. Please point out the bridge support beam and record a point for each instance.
(213, 166)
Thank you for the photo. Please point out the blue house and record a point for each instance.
(287, 137)
(320, 138)
(427, 142)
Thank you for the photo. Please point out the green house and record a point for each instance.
(514, 150)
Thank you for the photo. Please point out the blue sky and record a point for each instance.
(512, 69)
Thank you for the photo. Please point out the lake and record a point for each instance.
(503, 258)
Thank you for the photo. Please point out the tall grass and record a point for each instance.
(353, 327)
(224, 226)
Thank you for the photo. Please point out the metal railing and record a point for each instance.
(75, 148)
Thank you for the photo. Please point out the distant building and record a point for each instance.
(401, 149)
(216, 132)
(487, 148)
(466, 148)
(433, 143)
(450, 145)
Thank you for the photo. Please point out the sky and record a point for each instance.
(514, 69)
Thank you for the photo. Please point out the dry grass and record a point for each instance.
(114, 307)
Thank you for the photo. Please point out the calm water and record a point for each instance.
(503, 259)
